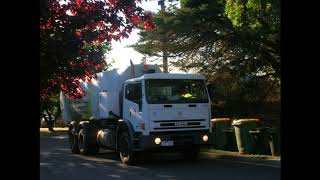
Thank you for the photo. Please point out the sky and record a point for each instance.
(122, 54)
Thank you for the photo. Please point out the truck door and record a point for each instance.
(132, 104)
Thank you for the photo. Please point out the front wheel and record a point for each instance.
(126, 154)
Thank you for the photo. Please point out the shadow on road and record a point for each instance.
(57, 162)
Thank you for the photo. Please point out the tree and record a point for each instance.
(155, 43)
(143, 60)
(258, 25)
(233, 42)
(50, 110)
(178, 32)
(76, 34)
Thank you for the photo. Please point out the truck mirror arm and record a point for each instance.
(210, 90)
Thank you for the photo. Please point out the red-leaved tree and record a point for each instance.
(75, 35)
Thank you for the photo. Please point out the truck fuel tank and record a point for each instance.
(106, 138)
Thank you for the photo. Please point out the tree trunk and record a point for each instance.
(165, 53)
(165, 61)
(58, 113)
(50, 122)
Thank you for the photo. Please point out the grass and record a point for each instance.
(57, 131)
(236, 154)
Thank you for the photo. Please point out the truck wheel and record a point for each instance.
(126, 153)
(190, 154)
(73, 140)
(87, 145)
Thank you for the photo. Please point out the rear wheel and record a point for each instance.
(73, 140)
(87, 142)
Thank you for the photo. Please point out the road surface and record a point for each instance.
(58, 163)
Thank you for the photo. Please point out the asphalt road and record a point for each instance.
(58, 163)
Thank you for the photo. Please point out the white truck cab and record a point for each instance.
(167, 102)
(172, 108)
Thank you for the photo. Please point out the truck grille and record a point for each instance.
(178, 124)
(184, 127)
(159, 121)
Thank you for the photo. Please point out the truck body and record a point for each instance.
(137, 110)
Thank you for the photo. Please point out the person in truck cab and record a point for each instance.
(182, 93)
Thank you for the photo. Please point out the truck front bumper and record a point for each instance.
(181, 140)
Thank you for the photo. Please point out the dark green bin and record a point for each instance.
(260, 143)
(273, 141)
(223, 134)
(247, 135)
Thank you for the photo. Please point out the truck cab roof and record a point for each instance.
(166, 76)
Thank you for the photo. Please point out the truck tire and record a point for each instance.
(191, 154)
(73, 140)
(87, 145)
(125, 148)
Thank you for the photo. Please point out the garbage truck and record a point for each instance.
(138, 110)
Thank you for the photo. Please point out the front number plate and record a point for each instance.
(166, 143)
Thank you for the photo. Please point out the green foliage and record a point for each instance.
(234, 10)
(234, 43)
(52, 104)
(50, 107)
(252, 14)
(192, 3)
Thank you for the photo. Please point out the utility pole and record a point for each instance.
(164, 51)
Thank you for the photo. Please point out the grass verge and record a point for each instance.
(57, 131)
(236, 154)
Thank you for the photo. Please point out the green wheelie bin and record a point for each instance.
(222, 132)
(259, 140)
(273, 140)
(245, 131)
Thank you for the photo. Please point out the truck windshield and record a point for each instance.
(165, 91)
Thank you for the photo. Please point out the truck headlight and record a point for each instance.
(205, 138)
(157, 140)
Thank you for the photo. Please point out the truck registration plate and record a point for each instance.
(166, 143)
(181, 124)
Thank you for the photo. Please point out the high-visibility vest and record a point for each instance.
(187, 95)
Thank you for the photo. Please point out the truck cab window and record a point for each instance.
(134, 93)
(167, 91)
